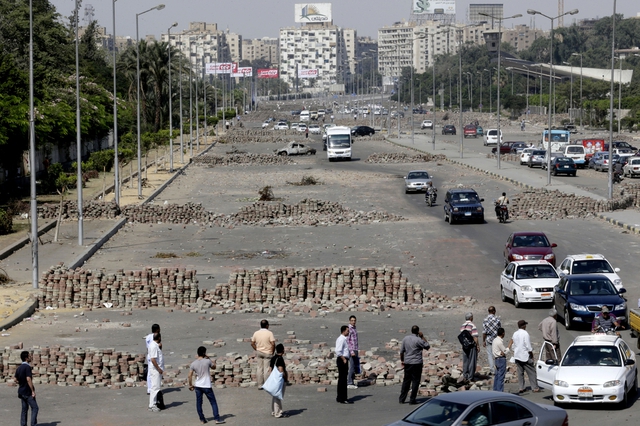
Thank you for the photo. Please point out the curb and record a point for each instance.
(616, 222)
(99, 243)
(8, 251)
(22, 313)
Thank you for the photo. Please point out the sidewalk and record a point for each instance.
(523, 176)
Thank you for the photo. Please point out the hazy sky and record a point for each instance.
(260, 18)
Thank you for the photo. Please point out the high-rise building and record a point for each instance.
(201, 43)
(265, 48)
(493, 9)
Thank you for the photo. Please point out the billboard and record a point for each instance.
(221, 68)
(308, 73)
(313, 12)
(243, 72)
(446, 7)
(268, 73)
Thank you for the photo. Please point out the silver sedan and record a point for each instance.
(416, 180)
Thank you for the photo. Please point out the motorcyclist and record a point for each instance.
(431, 190)
(501, 201)
(605, 321)
(617, 170)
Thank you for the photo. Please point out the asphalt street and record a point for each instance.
(464, 259)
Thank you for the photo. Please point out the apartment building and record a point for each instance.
(201, 43)
(265, 48)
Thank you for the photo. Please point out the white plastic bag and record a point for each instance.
(274, 384)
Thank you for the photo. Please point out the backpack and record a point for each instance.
(466, 340)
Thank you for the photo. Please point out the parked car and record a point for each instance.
(426, 124)
(537, 158)
(491, 137)
(265, 124)
(595, 158)
(528, 281)
(295, 148)
(563, 165)
(362, 131)
(463, 204)
(479, 131)
(394, 114)
(282, 125)
(505, 148)
(578, 298)
(529, 245)
(314, 129)
(576, 264)
(598, 369)
(449, 129)
(632, 168)
(517, 147)
(621, 144)
(600, 161)
(470, 131)
(294, 126)
(302, 127)
(419, 111)
(571, 128)
(525, 155)
(483, 408)
(416, 180)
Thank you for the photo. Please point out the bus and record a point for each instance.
(338, 143)
(557, 135)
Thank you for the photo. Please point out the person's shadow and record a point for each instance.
(295, 412)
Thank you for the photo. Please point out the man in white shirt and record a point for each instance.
(523, 353)
(156, 369)
(202, 369)
(342, 361)
(499, 354)
(155, 329)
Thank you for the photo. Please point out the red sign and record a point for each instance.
(268, 73)
(221, 67)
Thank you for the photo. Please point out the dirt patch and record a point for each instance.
(13, 297)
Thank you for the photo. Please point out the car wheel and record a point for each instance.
(451, 219)
(567, 319)
(530, 165)
(625, 398)
(310, 152)
(555, 173)
(446, 219)
(516, 302)
(574, 175)
(481, 220)
(503, 296)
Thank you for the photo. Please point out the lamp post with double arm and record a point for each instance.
(580, 54)
(175, 24)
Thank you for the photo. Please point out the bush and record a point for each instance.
(101, 160)
(266, 194)
(6, 222)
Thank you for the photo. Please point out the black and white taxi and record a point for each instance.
(528, 281)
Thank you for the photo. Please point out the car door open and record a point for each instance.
(546, 372)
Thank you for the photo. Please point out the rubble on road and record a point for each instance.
(394, 157)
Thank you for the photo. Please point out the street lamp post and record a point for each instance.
(116, 162)
(535, 12)
(500, 19)
(489, 89)
(481, 83)
(613, 45)
(32, 161)
(158, 7)
(175, 24)
(580, 54)
(527, 96)
(78, 136)
(470, 90)
(571, 92)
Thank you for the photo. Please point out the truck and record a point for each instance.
(338, 143)
(592, 146)
(634, 325)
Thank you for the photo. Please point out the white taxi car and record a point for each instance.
(590, 264)
(528, 281)
(596, 369)
(525, 155)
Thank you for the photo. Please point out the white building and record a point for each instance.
(201, 43)
(264, 48)
(320, 46)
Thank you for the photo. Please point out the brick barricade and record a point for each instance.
(165, 287)
(394, 157)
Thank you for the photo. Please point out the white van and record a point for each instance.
(576, 153)
(491, 137)
(338, 143)
(305, 115)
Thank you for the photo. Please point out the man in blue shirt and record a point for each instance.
(411, 358)
(26, 390)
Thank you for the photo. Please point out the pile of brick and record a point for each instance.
(551, 205)
(308, 212)
(67, 288)
(242, 135)
(212, 160)
(68, 366)
(90, 210)
(396, 157)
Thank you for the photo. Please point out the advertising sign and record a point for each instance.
(308, 73)
(268, 73)
(446, 7)
(243, 72)
(313, 12)
(221, 68)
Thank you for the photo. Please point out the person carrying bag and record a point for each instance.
(275, 384)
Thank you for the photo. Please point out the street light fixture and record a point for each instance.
(499, 19)
(527, 68)
(580, 54)
(470, 75)
(535, 12)
(613, 46)
(116, 162)
(175, 24)
(481, 84)
(571, 92)
(158, 7)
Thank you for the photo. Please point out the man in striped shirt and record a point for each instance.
(354, 360)
(490, 327)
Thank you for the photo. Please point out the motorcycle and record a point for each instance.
(607, 331)
(430, 196)
(617, 177)
(502, 211)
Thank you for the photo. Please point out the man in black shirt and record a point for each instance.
(26, 390)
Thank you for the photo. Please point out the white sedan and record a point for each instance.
(281, 126)
(528, 281)
(525, 155)
(598, 369)
(314, 129)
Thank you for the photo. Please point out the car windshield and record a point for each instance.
(465, 197)
(418, 175)
(436, 413)
(339, 141)
(599, 286)
(565, 160)
(530, 241)
(580, 356)
(539, 152)
(526, 272)
(591, 266)
(575, 149)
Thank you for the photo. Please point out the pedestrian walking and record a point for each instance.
(411, 359)
(342, 362)
(499, 353)
(490, 327)
(155, 329)
(354, 359)
(306, 133)
(264, 344)
(523, 354)
(470, 355)
(278, 362)
(549, 329)
(156, 369)
(201, 367)
(26, 390)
